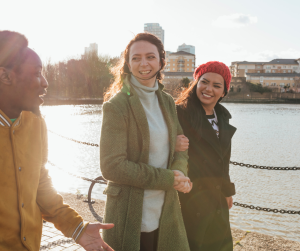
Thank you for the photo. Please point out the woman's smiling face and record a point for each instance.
(210, 88)
(144, 62)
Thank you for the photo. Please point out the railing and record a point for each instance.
(101, 180)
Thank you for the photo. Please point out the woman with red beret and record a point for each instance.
(208, 134)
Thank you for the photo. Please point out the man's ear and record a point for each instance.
(5, 76)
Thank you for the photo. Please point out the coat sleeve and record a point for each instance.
(228, 188)
(51, 203)
(113, 156)
(180, 161)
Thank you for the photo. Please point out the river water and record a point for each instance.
(267, 134)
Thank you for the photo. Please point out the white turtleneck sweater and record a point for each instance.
(158, 152)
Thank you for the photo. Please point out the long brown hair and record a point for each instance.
(120, 70)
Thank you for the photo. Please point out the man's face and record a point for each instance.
(28, 85)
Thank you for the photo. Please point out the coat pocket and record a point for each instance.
(112, 190)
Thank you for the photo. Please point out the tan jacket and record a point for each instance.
(124, 152)
(27, 194)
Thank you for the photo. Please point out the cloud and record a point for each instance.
(234, 21)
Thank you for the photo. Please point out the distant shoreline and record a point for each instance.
(85, 101)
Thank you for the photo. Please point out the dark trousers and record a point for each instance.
(149, 241)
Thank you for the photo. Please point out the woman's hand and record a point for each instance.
(229, 202)
(182, 143)
(182, 183)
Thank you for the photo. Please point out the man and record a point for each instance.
(27, 194)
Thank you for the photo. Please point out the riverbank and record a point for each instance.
(243, 240)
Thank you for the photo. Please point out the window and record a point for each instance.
(284, 71)
(187, 64)
(267, 84)
(258, 71)
(273, 71)
(273, 66)
(289, 71)
(281, 84)
(187, 69)
(268, 71)
(173, 69)
(258, 67)
(284, 67)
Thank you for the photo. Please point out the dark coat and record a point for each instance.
(124, 153)
(205, 211)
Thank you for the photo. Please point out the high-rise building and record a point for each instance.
(187, 48)
(93, 48)
(155, 29)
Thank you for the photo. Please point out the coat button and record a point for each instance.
(198, 214)
(24, 238)
(20, 168)
(218, 187)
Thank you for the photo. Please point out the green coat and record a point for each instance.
(124, 153)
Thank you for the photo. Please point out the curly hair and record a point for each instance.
(121, 70)
(12, 45)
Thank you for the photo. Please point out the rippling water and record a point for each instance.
(266, 135)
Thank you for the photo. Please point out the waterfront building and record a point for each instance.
(187, 48)
(180, 61)
(279, 82)
(155, 29)
(93, 48)
(284, 66)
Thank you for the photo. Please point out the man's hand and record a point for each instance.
(91, 238)
(182, 143)
(182, 183)
(229, 202)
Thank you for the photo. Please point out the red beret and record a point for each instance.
(216, 67)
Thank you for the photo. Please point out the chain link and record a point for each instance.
(74, 140)
(265, 167)
(56, 243)
(103, 181)
(282, 211)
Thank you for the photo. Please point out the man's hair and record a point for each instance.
(12, 45)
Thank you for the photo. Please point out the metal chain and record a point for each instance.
(103, 181)
(56, 243)
(77, 141)
(282, 211)
(265, 167)
(231, 162)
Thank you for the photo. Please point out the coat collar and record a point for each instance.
(6, 122)
(226, 131)
(141, 118)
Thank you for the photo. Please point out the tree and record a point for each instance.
(257, 88)
(185, 82)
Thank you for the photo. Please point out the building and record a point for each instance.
(93, 48)
(155, 29)
(187, 48)
(241, 69)
(276, 81)
(180, 61)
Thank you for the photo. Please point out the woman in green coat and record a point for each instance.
(137, 154)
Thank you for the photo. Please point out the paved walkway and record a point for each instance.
(51, 234)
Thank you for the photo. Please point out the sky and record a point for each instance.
(226, 31)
